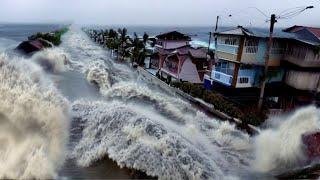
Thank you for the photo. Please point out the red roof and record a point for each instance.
(198, 53)
(174, 35)
(315, 31)
(184, 50)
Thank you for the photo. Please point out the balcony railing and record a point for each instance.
(221, 77)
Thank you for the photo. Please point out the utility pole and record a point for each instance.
(215, 31)
(267, 57)
(215, 41)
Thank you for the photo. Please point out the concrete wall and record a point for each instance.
(250, 73)
(172, 44)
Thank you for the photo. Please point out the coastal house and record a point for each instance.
(241, 58)
(302, 63)
(184, 64)
(165, 44)
(172, 40)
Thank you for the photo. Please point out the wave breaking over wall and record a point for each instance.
(52, 59)
(280, 147)
(33, 122)
(137, 138)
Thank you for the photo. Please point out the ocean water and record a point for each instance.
(92, 118)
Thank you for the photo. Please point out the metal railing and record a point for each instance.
(222, 77)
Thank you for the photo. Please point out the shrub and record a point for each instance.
(54, 37)
(252, 116)
(248, 115)
(197, 91)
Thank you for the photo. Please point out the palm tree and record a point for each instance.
(145, 38)
(123, 38)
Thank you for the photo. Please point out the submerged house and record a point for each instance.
(302, 63)
(240, 56)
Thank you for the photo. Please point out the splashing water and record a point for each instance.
(135, 123)
(53, 59)
(33, 122)
(281, 146)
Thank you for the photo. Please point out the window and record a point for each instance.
(243, 80)
(231, 41)
(277, 47)
(228, 41)
(251, 46)
(252, 42)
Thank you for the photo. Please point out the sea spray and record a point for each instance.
(33, 122)
(53, 59)
(97, 74)
(140, 138)
(280, 147)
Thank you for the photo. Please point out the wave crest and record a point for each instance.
(52, 59)
(281, 147)
(33, 122)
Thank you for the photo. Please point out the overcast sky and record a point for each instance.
(156, 12)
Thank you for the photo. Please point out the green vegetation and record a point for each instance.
(248, 115)
(125, 46)
(52, 37)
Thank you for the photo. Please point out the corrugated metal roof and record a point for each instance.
(264, 33)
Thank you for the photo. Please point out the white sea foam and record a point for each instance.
(97, 73)
(280, 146)
(152, 144)
(33, 122)
(52, 59)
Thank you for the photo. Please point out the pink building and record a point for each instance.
(184, 64)
(172, 40)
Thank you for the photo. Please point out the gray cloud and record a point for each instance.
(154, 12)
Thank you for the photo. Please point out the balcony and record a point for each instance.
(222, 77)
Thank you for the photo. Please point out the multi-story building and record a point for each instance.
(294, 64)
(302, 63)
(241, 58)
(165, 44)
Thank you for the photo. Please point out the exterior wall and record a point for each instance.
(147, 62)
(302, 55)
(155, 62)
(226, 56)
(171, 65)
(225, 49)
(258, 58)
(189, 72)
(246, 73)
(166, 44)
(303, 80)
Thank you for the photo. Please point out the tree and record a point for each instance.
(123, 38)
